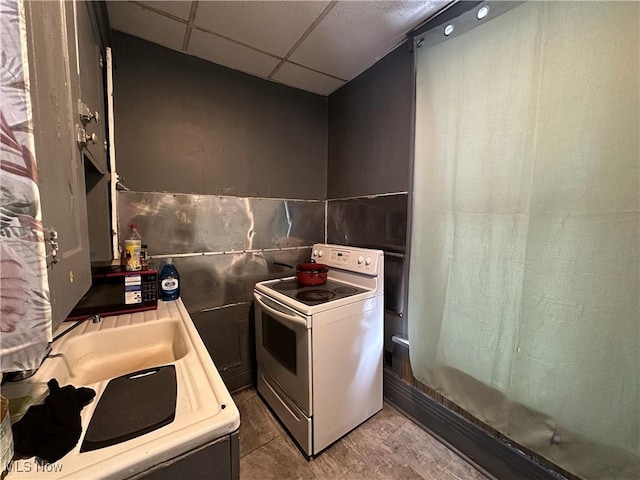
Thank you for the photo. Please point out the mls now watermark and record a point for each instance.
(32, 466)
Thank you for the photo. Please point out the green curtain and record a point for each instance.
(524, 272)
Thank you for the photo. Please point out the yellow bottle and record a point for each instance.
(132, 246)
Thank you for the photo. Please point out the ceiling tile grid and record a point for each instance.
(230, 54)
(271, 26)
(305, 79)
(175, 8)
(354, 35)
(141, 22)
(313, 45)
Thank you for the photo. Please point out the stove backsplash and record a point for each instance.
(375, 222)
(235, 239)
(223, 245)
(240, 238)
(187, 223)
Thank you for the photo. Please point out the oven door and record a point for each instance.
(283, 349)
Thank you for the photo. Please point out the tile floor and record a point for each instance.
(387, 446)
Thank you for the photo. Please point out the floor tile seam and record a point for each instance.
(418, 473)
(390, 434)
(420, 458)
(442, 472)
(443, 468)
(261, 478)
(451, 457)
(277, 434)
(442, 444)
(379, 469)
(271, 423)
(358, 452)
(316, 477)
(351, 452)
(242, 401)
(307, 466)
(331, 477)
(433, 459)
(362, 465)
(389, 441)
(456, 477)
(411, 460)
(265, 437)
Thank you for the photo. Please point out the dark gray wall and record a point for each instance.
(190, 126)
(370, 148)
(370, 124)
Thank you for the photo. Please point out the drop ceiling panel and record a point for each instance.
(230, 54)
(354, 35)
(270, 26)
(135, 20)
(306, 79)
(252, 36)
(177, 9)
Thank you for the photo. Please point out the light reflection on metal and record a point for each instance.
(251, 231)
(375, 222)
(262, 250)
(286, 209)
(371, 222)
(216, 280)
(223, 245)
(181, 223)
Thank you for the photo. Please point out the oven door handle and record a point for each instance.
(295, 319)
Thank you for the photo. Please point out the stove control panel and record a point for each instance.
(339, 256)
(347, 258)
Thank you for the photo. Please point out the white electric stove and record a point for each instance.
(319, 349)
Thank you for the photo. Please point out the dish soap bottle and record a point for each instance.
(169, 282)
(132, 246)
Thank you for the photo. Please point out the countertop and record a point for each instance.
(205, 410)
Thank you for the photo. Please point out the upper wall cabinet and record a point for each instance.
(55, 66)
(90, 69)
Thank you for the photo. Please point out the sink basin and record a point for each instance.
(105, 354)
(95, 353)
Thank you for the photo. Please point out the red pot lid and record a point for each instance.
(312, 267)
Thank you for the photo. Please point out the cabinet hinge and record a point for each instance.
(86, 115)
(53, 244)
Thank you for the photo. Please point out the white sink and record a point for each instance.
(105, 354)
(92, 354)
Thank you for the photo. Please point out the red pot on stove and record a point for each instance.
(311, 273)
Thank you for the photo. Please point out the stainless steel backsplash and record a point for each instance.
(184, 223)
(223, 245)
(372, 222)
(375, 222)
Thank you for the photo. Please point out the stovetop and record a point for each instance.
(332, 290)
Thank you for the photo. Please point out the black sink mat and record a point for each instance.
(132, 405)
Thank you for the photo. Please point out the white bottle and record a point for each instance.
(132, 246)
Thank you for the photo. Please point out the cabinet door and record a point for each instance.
(91, 73)
(54, 90)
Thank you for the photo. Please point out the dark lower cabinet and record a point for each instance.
(219, 459)
(229, 335)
